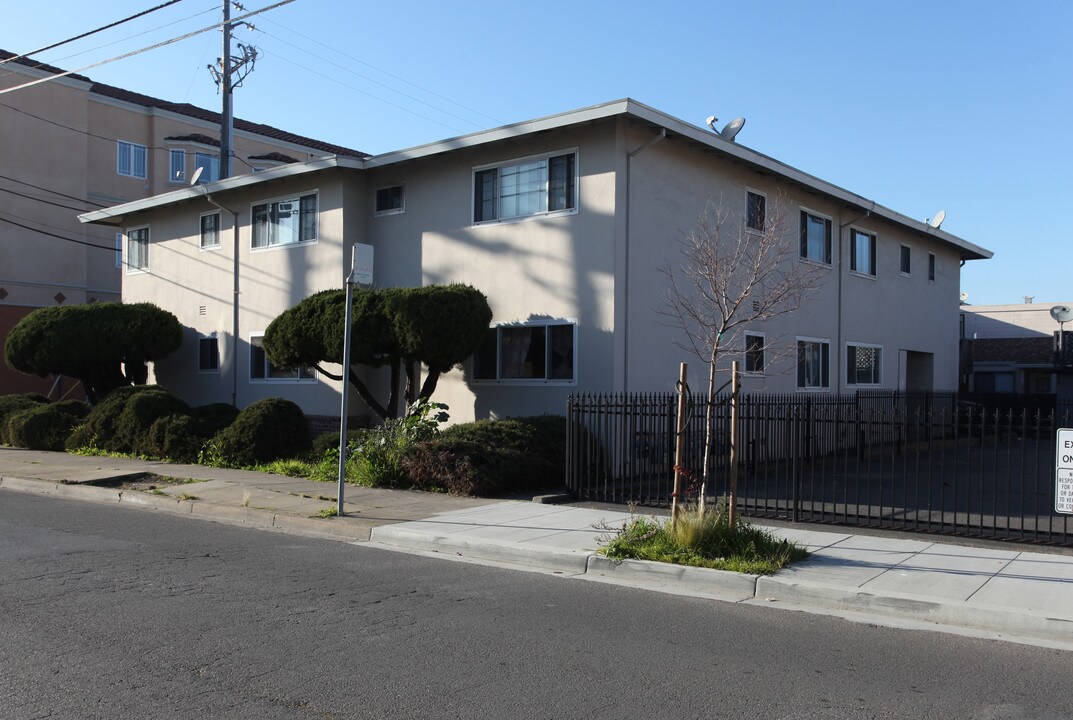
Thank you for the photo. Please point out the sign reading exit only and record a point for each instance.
(1063, 474)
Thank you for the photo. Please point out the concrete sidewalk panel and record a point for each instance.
(947, 572)
(1033, 583)
(581, 540)
(721, 584)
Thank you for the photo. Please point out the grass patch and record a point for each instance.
(703, 540)
(186, 496)
(328, 512)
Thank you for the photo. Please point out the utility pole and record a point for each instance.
(224, 77)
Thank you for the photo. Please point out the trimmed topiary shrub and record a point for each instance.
(121, 421)
(43, 426)
(214, 417)
(267, 430)
(492, 457)
(175, 437)
(13, 403)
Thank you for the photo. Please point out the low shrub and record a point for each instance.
(13, 403)
(175, 437)
(214, 417)
(43, 426)
(121, 421)
(492, 457)
(379, 458)
(330, 441)
(267, 430)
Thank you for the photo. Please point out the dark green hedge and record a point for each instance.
(121, 421)
(267, 430)
(174, 437)
(13, 403)
(492, 457)
(43, 426)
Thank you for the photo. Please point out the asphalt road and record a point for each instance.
(110, 612)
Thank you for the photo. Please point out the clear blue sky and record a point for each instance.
(963, 106)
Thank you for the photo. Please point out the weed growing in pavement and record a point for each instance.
(246, 499)
(186, 496)
(328, 512)
(703, 540)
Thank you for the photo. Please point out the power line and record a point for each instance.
(375, 82)
(58, 237)
(142, 50)
(54, 192)
(91, 32)
(93, 135)
(42, 200)
(385, 72)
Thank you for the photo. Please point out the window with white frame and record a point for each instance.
(119, 249)
(863, 364)
(755, 211)
(210, 165)
(287, 221)
(137, 249)
(176, 166)
(815, 237)
(931, 267)
(523, 188)
(862, 252)
(813, 364)
(539, 352)
(262, 369)
(208, 354)
(903, 265)
(210, 230)
(754, 353)
(389, 200)
(130, 159)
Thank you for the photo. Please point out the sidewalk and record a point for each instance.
(912, 581)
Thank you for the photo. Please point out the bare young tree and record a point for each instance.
(734, 271)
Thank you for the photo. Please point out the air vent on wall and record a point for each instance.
(201, 310)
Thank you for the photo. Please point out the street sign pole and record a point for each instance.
(361, 271)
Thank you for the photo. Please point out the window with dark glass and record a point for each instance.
(285, 222)
(755, 211)
(813, 364)
(754, 353)
(261, 368)
(138, 249)
(863, 364)
(532, 187)
(389, 200)
(862, 252)
(815, 237)
(931, 267)
(210, 230)
(904, 264)
(208, 354)
(526, 352)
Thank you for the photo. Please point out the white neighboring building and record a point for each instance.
(562, 222)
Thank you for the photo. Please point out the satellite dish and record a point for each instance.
(712, 119)
(732, 128)
(936, 221)
(197, 175)
(1062, 313)
(964, 296)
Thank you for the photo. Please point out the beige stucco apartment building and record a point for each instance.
(563, 222)
(70, 145)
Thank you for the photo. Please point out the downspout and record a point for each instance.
(234, 303)
(626, 258)
(838, 329)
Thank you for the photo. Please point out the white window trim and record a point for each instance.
(393, 211)
(219, 355)
(901, 272)
(824, 341)
(285, 246)
(130, 269)
(745, 354)
(875, 264)
(835, 246)
(878, 383)
(517, 161)
(531, 382)
(219, 230)
(132, 173)
(267, 380)
(181, 179)
(754, 191)
(119, 237)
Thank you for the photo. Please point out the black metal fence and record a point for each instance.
(932, 462)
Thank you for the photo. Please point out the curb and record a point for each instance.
(680, 579)
(953, 613)
(559, 561)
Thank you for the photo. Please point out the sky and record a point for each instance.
(918, 105)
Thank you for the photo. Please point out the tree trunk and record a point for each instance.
(709, 432)
(366, 396)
